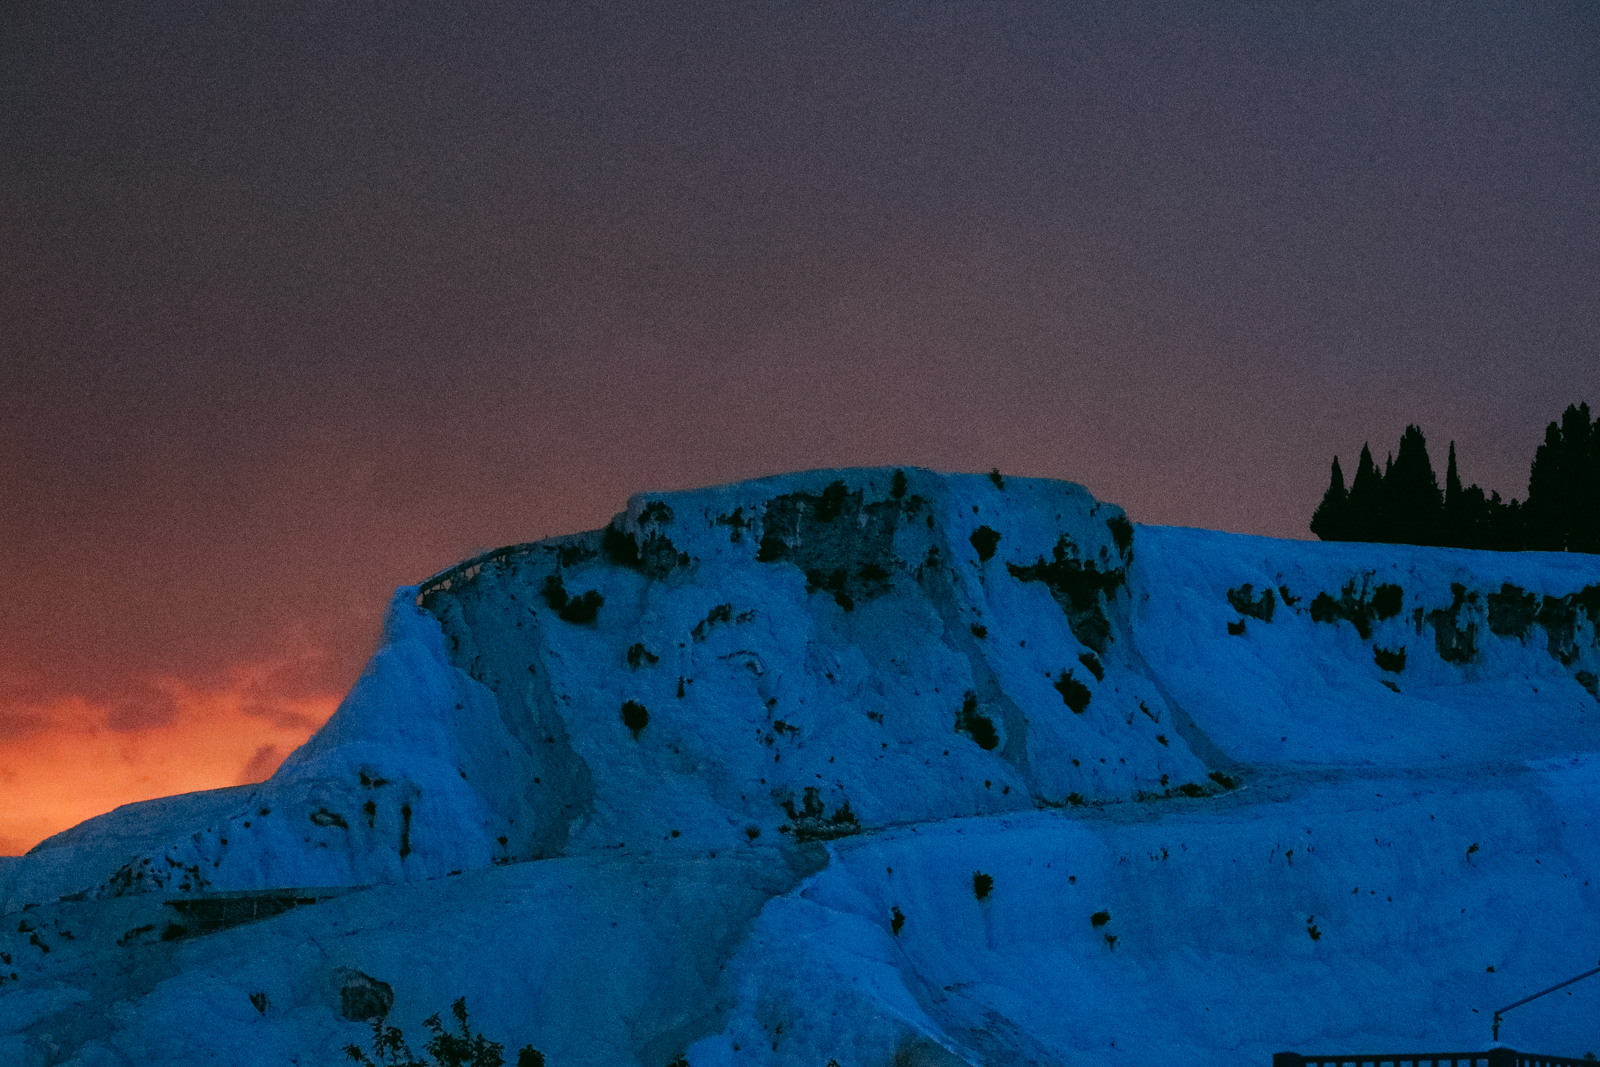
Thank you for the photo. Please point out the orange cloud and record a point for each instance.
(81, 761)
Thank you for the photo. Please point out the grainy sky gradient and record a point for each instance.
(300, 305)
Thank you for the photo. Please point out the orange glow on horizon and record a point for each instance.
(77, 766)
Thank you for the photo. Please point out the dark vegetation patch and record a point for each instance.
(1122, 535)
(836, 582)
(1511, 611)
(976, 725)
(572, 553)
(1246, 603)
(1289, 599)
(1588, 598)
(655, 511)
(1192, 789)
(639, 656)
(635, 716)
(1077, 585)
(811, 822)
(1226, 781)
(1588, 680)
(1392, 660)
(980, 631)
(897, 487)
(1559, 617)
(985, 540)
(654, 558)
(997, 478)
(1359, 606)
(583, 608)
(1091, 661)
(1236, 628)
(722, 613)
(897, 919)
(982, 885)
(1454, 643)
(460, 1047)
(1074, 694)
(1099, 919)
(736, 523)
(844, 546)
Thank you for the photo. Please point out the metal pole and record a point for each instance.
(1559, 985)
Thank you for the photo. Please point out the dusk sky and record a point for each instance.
(301, 303)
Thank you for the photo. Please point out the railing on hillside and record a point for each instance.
(468, 569)
(1495, 1057)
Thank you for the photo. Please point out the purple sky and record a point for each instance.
(299, 306)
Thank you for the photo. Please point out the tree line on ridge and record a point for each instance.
(1403, 503)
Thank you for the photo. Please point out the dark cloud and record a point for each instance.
(143, 708)
(261, 765)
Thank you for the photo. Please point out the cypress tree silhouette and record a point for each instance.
(1403, 502)
(1364, 509)
(1455, 523)
(1411, 500)
(1563, 508)
(1329, 521)
(1504, 527)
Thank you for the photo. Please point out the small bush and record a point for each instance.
(1245, 602)
(655, 511)
(1074, 694)
(1190, 789)
(620, 548)
(639, 656)
(1392, 660)
(897, 919)
(981, 884)
(897, 488)
(1236, 629)
(582, 609)
(1099, 919)
(985, 540)
(997, 478)
(461, 1048)
(635, 716)
(978, 727)
(980, 632)
(1091, 661)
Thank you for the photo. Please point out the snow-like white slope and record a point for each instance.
(808, 655)
(1218, 813)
